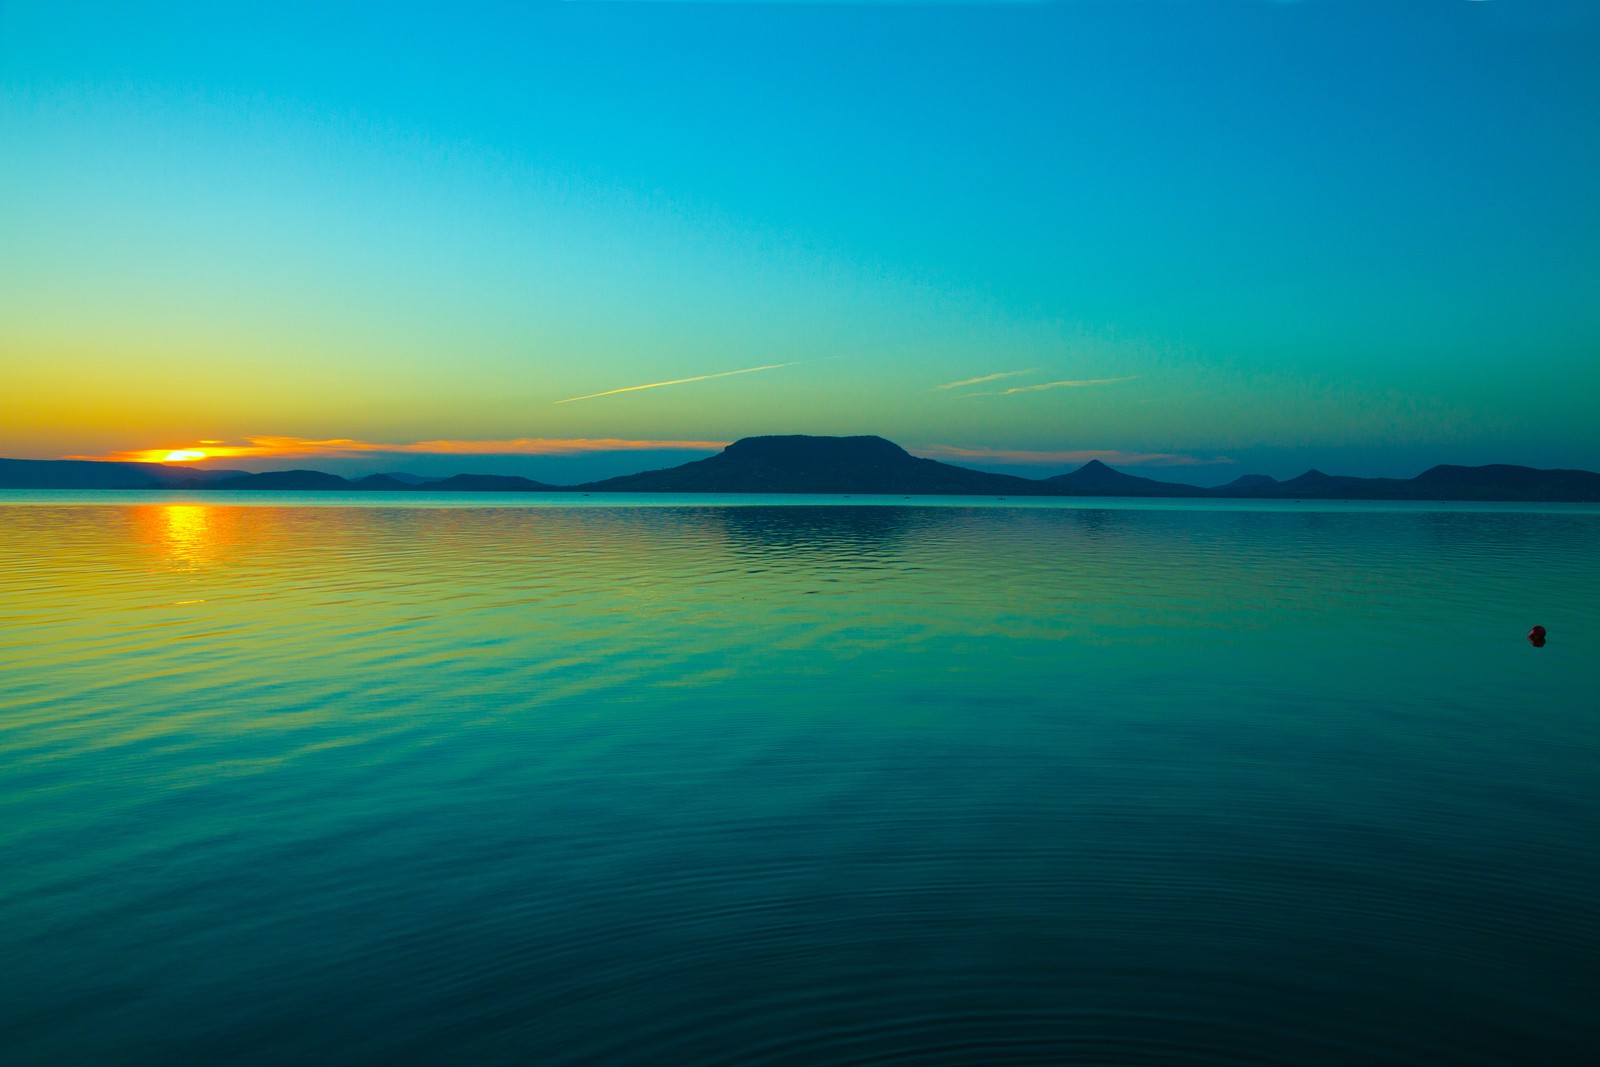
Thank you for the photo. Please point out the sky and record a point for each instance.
(1193, 238)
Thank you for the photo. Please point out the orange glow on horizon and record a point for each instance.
(307, 448)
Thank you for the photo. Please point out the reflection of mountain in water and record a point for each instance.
(841, 533)
(879, 534)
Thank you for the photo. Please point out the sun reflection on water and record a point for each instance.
(186, 534)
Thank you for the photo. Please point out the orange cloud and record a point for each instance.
(307, 448)
(1057, 459)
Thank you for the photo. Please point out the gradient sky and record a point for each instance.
(1360, 236)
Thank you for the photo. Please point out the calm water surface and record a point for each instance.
(825, 784)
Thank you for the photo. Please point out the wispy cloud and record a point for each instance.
(989, 378)
(680, 381)
(1073, 383)
(307, 448)
(1057, 459)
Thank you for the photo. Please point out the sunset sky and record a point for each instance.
(1194, 237)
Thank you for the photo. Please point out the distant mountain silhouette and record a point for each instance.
(1501, 481)
(1445, 482)
(75, 474)
(402, 476)
(1096, 479)
(1315, 485)
(800, 464)
(841, 465)
(95, 474)
(485, 483)
(1247, 481)
(292, 480)
(383, 483)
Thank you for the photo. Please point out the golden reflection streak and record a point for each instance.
(186, 534)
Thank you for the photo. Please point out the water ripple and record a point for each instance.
(772, 785)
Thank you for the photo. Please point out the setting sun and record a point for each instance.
(182, 455)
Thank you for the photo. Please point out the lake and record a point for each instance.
(747, 781)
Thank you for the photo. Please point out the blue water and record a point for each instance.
(702, 783)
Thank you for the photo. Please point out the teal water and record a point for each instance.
(806, 784)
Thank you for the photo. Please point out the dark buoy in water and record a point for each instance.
(1536, 637)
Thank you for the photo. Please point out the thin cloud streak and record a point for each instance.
(989, 378)
(1075, 383)
(1080, 456)
(306, 448)
(680, 381)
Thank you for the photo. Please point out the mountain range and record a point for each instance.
(835, 465)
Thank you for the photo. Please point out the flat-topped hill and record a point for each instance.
(802, 464)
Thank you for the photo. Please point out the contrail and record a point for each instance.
(680, 381)
(989, 378)
(1077, 383)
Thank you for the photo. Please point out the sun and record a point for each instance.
(183, 455)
